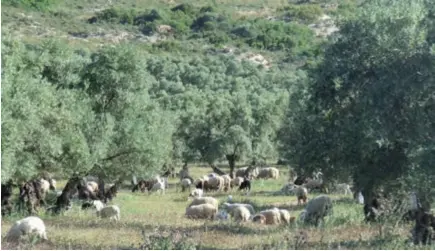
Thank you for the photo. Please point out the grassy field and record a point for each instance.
(158, 222)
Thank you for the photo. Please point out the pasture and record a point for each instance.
(157, 222)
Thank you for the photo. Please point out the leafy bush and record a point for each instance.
(305, 13)
(114, 15)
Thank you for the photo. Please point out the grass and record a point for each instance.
(143, 215)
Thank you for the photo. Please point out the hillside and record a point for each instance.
(269, 33)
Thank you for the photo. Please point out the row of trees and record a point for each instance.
(119, 111)
(365, 111)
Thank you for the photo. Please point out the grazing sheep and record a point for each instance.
(185, 184)
(205, 200)
(196, 193)
(236, 182)
(201, 211)
(343, 188)
(97, 204)
(268, 172)
(111, 212)
(285, 216)
(159, 186)
(27, 226)
(314, 184)
(240, 172)
(240, 214)
(317, 209)
(273, 216)
(259, 218)
(215, 183)
(234, 205)
(226, 182)
(301, 193)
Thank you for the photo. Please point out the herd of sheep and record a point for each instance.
(207, 207)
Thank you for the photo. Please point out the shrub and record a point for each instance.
(304, 13)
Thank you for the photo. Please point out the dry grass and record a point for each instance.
(143, 213)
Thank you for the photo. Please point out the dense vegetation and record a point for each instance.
(361, 105)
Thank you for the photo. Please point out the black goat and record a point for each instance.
(246, 185)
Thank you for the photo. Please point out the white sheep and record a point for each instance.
(241, 172)
(272, 216)
(317, 209)
(285, 215)
(343, 188)
(27, 226)
(240, 214)
(159, 186)
(111, 212)
(236, 182)
(205, 200)
(185, 184)
(301, 193)
(202, 211)
(226, 182)
(98, 204)
(197, 192)
(234, 205)
(268, 172)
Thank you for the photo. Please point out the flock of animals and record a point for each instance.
(96, 195)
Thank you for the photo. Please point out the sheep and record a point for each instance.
(234, 205)
(259, 218)
(285, 216)
(27, 226)
(301, 193)
(268, 172)
(98, 204)
(111, 212)
(201, 211)
(185, 183)
(241, 172)
(317, 209)
(205, 200)
(227, 182)
(273, 216)
(343, 188)
(159, 186)
(215, 183)
(236, 182)
(196, 193)
(240, 214)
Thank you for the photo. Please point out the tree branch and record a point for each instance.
(126, 152)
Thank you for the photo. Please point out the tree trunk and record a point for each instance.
(232, 163)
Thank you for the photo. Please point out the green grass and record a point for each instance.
(164, 214)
